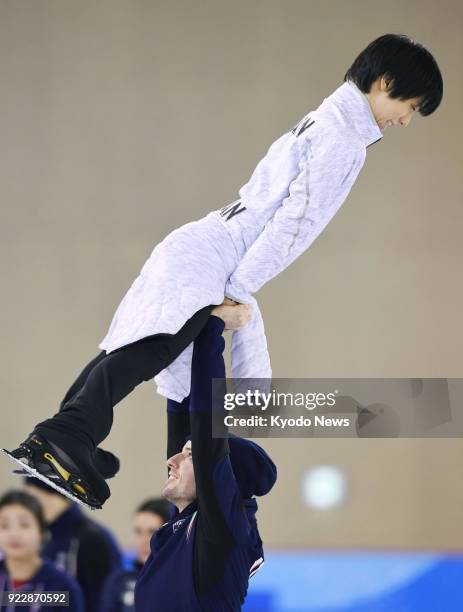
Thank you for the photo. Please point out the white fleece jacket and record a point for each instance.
(293, 193)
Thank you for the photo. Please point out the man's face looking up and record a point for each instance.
(180, 487)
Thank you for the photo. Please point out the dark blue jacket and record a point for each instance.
(48, 578)
(202, 559)
(84, 549)
(119, 590)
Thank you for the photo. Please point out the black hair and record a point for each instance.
(411, 68)
(21, 498)
(156, 505)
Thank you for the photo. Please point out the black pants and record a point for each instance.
(86, 412)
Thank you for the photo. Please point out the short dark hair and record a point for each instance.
(156, 505)
(21, 498)
(413, 70)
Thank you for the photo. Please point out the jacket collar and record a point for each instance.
(192, 506)
(356, 110)
(164, 533)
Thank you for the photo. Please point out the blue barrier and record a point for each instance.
(357, 582)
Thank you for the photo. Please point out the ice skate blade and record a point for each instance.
(25, 473)
(31, 472)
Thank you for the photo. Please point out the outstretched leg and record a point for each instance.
(62, 447)
(105, 462)
(86, 419)
(81, 379)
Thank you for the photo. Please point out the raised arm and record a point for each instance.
(178, 425)
(213, 473)
(221, 520)
(178, 417)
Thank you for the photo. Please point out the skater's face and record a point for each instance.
(20, 535)
(144, 525)
(389, 111)
(180, 488)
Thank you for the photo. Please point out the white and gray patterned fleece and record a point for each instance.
(293, 193)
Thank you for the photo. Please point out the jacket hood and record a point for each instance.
(254, 471)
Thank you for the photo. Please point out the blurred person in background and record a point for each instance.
(23, 532)
(118, 594)
(78, 545)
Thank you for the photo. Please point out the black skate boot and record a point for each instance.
(82, 483)
(104, 461)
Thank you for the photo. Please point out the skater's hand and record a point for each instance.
(234, 315)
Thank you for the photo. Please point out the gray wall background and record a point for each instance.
(121, 120)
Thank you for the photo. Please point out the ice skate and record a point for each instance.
(44, 460)
(104, 461)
